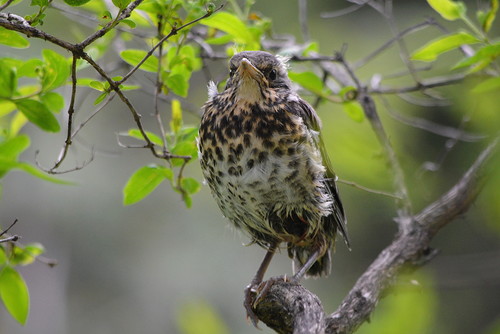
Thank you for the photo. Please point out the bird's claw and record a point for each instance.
(254, 293)
(251, 292)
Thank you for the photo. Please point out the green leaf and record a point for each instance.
(183, 60)
(13, 39)
(129, 87)
(309, 81)
(40, 3)
(449, 10)
(3, 257)
(38, 113)
(130, 23)
(176, 122)
(122, 4)
(187, 148)
(14, 294)
(187, 200)
(354, 110)
(144, 181)
(200, 317)
(233, 26)
(312, 47)
(8, 164)
(484, 56)
(431, 50)
(188, 133)
(84, 82)
(487, 85)
(100, 98)
(8, 80)
(17, 123)
(97, 85)
(136, 133)
(56, 70)
(54, 101)
(221, 40)
(487, 18)
(190, 185)
(178, 84)
(30, 68)
(23, 256)
(6, 107)
(133, 57)
(348, 93)
(13, 147)
(75, 3)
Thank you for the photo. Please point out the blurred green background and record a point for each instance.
(156, 267)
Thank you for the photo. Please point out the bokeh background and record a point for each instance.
(157, 267)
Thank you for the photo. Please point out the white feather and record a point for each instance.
(212, 90)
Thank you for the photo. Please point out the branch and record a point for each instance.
(110, 25)
(286, 305)
(172, 32)
(19, 24)
(9, 238)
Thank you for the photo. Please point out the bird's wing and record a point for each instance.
(312, 121)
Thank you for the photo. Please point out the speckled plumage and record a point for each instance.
(263, 158)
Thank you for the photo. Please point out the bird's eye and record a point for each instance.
(231, 72)
(272, 74)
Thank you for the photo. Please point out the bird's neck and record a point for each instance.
(250, 91)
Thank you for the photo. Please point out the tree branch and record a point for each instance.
(286, 305)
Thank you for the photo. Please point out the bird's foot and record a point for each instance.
(251, 292)
(255, 292)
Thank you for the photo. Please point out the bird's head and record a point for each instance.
(252, 73)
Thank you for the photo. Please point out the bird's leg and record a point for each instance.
(252, 289)
(295, 279)
(306, 266)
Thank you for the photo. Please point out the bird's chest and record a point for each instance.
(258, 162)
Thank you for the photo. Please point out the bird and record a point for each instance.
(264, 159)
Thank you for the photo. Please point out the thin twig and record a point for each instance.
(8, 228)
(125, 13)
(304, 27)
(371, 114)
(159, 85)
(11, 238)
(92, 20)
(172, 32)
(423, 85)
(373, 191)
(110, 98)
(387, 44)
(5, 5)
(71, 112)
(344, 11)
(441, 130)
(448, 146)
(403, 50)
(58, 172)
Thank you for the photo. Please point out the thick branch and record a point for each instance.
(280, 308)
(19, 24)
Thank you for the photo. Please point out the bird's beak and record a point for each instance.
(248, 71)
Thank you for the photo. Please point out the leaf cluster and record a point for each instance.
(13, 289)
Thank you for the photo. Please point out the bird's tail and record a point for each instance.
(300, 255)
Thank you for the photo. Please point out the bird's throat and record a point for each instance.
(249, 90)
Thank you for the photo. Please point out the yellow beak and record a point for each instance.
(247, 71)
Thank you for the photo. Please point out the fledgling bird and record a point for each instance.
(263, 157)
